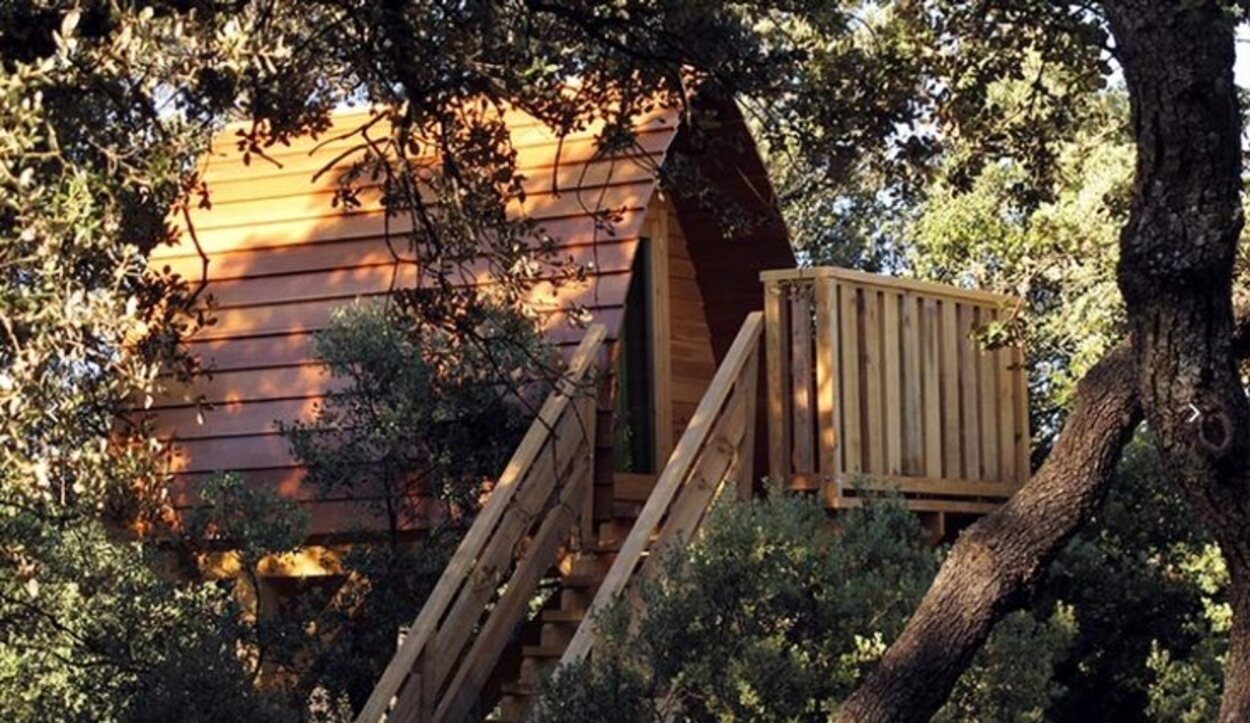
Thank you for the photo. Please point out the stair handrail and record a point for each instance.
(573, 388)
(737, 375)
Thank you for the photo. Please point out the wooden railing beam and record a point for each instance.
(777, 368)
(575, 383)
(676, 473)
(557, 523)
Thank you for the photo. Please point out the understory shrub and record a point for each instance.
(1148, 589)
(774, 614)
(423, 417)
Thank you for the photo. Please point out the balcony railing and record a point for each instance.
(882, 380)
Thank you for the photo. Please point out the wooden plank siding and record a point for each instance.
(281, 259)
(689, 348)
(905, 395)
(683, 362)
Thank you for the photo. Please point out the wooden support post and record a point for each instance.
(870, 373)
(931, 353)
(827, 401)
(661, 361)
(951, 444)
(776, 321)
(852, 419)
(988, 380)
(1023, 427)
(913, 438)
(893, 374)
(1006, 415)
(429, 689)
(589, 410)
(969, 389)
(801, 381)
(746, 464)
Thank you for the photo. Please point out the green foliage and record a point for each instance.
(1057, 254)
(99, 635)
(927, 91)
(1147, 590)
(424, 412)
(1187, 687)
(775, 614)
(424, 418)
(1012, 677)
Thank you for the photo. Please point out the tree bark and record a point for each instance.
(1176, 270)
(995, 564)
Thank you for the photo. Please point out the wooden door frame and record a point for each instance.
(659, 325)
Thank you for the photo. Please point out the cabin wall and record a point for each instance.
(693, 362)
(280, 258)
(683, 360)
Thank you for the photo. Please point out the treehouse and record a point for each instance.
(726, 362)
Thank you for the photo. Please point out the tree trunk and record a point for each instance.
(1176, 269)
(1176, 275)
(996, 562)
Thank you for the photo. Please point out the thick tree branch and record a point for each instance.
(1180, 371)
(995, 564)
(1175, 271)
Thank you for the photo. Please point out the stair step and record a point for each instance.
(517, 689)
(542, 651)
(512, 709)
(581, 581)
(626, 510)
(563, 616)
(603, 547)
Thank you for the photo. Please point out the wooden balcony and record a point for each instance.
(878, 382)
(872, 382)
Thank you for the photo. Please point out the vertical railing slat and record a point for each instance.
(746, 467)
(801, 380)
(777, 350)
(1006, 415)
(989, 406)
(827, 399)
(968, 386)
(870, 375)
(913, 440)
(1022, 417)
(948, 336)
(851, 419)
(932, 390)
(893, 381)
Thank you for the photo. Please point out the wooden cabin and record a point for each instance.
(669, 288)
(739, 364)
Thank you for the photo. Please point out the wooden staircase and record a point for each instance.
(871, 382)
(472, 653)
(580, 576)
